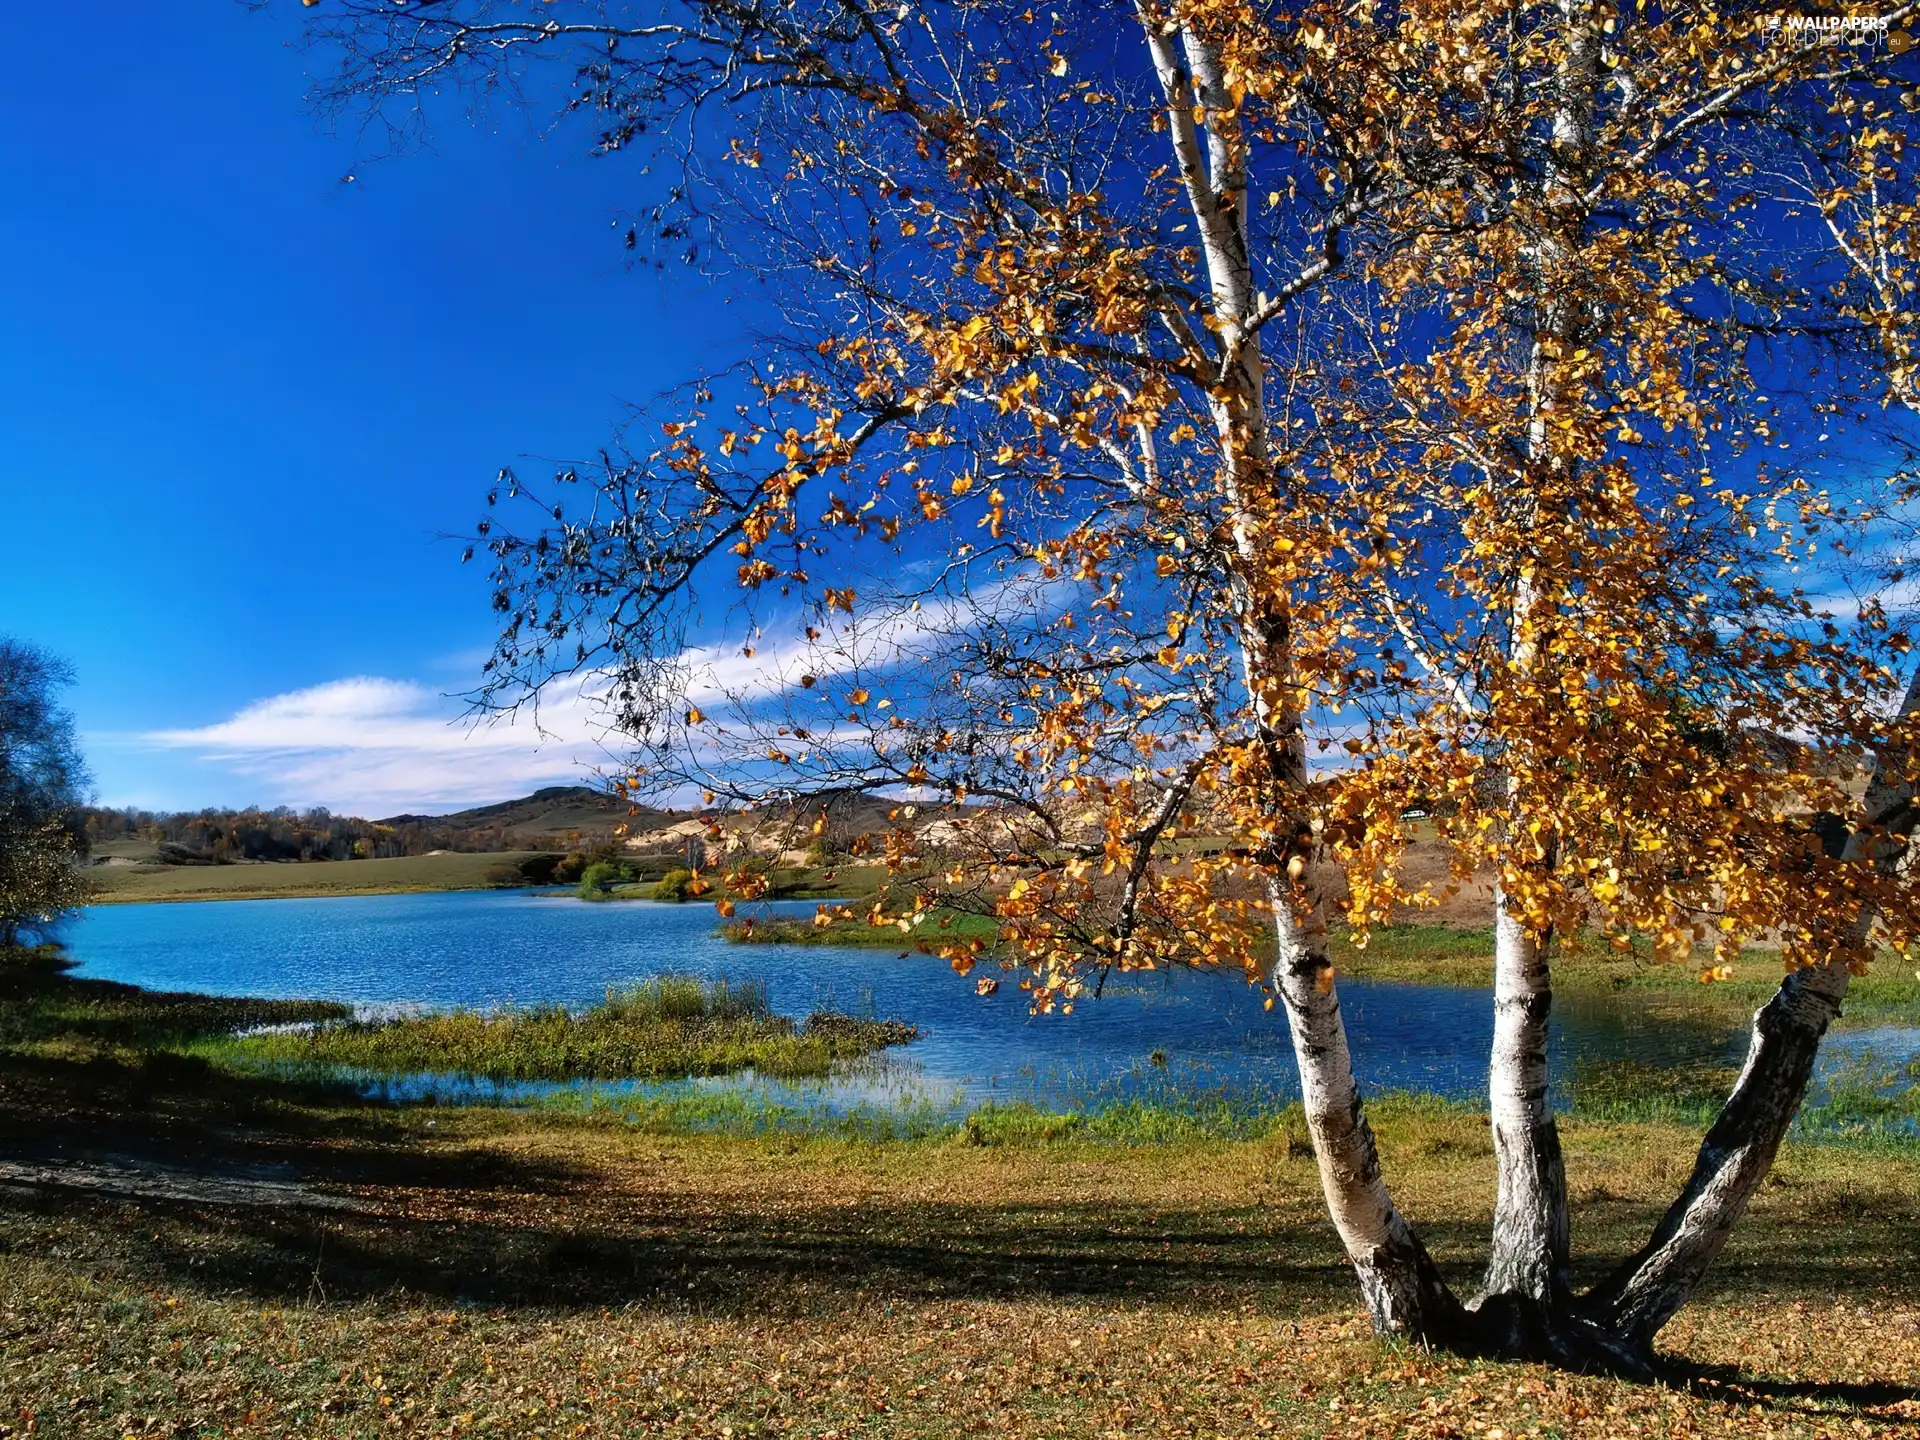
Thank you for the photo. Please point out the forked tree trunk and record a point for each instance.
(1647, 1289)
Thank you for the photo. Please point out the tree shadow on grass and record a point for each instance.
(736, 1260)
(581, 1246)
(177, 1115)
(1827, 1398)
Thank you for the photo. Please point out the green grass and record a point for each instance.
(1442, 955)
(957, 928)
(840, 882)
(666, 1028)
(120, 885)
(44, 1010)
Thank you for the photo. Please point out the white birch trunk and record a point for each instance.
(1530, 1231)
(1529, 1258)
(1403, 1290)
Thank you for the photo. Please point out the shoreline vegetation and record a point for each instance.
(185, 1245)
(1434, 954)
(668, 1028)
(677, 1027)
(152, 883)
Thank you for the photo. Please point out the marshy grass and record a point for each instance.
(44, 1009)
(670, 1027)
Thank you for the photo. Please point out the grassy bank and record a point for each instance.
(413, 874)
(840, 882)
(45, 1012)
(801, 930)
(455, 1273)
(1440, 955)
(1447, 955)
(665, 1028)
(196, 1251)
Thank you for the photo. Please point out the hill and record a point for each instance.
(555, 811)
(557, 818)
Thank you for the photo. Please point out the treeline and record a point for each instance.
(220, 837)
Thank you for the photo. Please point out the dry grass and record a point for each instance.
(186, 1251)
(514, 1276)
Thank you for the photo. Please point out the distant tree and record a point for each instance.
(42, 784)
(601, 877)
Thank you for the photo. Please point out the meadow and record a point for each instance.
(188, 1248)
(412, 874)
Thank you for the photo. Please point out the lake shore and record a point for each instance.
(301, 880)
(185, 1246)
(1428, 954)
(151, 884)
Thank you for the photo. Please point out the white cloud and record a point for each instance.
(888, 637)
(371, 745)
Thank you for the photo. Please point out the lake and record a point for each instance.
(1211, 1031)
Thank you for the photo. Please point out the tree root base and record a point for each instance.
(1520, 1327)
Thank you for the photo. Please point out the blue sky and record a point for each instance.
(241, 397)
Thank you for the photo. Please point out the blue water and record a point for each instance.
(482, 949)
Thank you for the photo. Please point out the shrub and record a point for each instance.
(673, 885)
(569, 868)
(538, 869)
(170, 852)
(600, 877)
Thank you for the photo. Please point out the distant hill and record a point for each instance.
(557, 810)
(558, 818)
(561, 817)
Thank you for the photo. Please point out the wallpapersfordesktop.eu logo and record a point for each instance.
(1807, 31)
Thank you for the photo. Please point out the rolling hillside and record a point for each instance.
(556, 811)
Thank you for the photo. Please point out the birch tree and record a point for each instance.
(1159, 398)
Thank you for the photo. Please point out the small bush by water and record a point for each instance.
(666, 1028)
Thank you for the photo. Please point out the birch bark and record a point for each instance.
(1403, 1289)
(1529, 1260)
